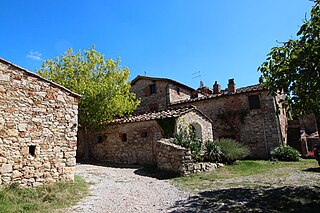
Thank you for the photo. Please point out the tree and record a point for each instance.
(294, 68)
(102, 83)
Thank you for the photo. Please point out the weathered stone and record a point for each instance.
(28, 113)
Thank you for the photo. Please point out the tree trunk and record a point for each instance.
(86, 143)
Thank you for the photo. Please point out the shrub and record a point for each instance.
(213, 152)
(189, 140)
(232, 150)
(285, 153)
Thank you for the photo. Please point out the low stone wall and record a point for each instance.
(177, 159)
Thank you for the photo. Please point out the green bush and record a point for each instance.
(232, 150)
(213, 152)
(285, 153)
(189, 139)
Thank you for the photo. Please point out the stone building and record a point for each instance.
(247, 114)
(38, 128)
(133, 140)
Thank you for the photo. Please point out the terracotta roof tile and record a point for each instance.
(252, 88)
(169, 113)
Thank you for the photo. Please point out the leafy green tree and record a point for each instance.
(103, 84)
(294, 67)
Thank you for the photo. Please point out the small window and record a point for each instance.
(144, 134)
(99, 139)
(178, 90)
(153, 89)
(254, 102)
(32, 150)
(124, 137)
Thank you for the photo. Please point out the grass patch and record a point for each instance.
(244, 168)
(43, 199)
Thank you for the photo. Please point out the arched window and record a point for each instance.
(195, 128)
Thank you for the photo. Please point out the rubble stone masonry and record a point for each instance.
(38, 129)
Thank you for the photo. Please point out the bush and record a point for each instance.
(285, 153)
(189, 140)
(232, 150)
(213, 152)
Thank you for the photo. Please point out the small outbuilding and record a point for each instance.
(133, 140)
(38, 128)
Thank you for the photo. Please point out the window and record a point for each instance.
(153, 89)
(124, 137)
(254, 102)
(144, 134)
(32, 150)
(99, 139)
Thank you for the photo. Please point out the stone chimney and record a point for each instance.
(216, 88)
(231, 86)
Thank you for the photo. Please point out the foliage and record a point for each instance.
(102, 83)
(294, 67)
(227, 116)
(189, 139)
(213, 152)
(285, 153)
(232, 150)
(167, 125)
(42, 199)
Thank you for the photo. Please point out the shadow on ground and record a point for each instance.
(109, 164)
(282, 199)
(317, 170)
(154, 172)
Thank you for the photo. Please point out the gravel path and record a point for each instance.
(123, 190)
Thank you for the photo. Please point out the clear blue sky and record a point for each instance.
(166, 38)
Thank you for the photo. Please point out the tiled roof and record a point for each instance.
(161, 79)
(169, 113)
(252, 88)
(39, 77)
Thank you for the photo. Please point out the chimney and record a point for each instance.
(216, 88)
(231, 86)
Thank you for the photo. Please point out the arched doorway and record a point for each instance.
(195, 128)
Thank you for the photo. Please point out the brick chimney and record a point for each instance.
(231, 86)
(216, 88)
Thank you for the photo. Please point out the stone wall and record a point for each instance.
(202, 125)
(139, 148)
(178, 93)
(150, 102)
(38, 129)
(259, 129)
(177, 159)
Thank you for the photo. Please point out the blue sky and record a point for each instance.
(164, 38)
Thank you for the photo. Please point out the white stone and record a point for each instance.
(22, 127)
(6, 168)
(4, 77)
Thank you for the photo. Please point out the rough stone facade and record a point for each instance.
(156, 93)
(133, 140)
(137, 147)
(38, 128)
(177, 159)
(247, 114)
(232, 117)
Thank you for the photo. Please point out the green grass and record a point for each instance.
(244, 168)
(43, 199)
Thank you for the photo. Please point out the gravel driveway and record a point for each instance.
(124, 190)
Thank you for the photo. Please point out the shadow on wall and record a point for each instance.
(282, 199)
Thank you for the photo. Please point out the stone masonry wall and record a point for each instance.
(177, 93)
(150, 102)
(202, 126)
(177, 159)
(259, 129)
(38, 129)
(139, 148)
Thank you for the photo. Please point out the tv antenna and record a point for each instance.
(196, 75)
